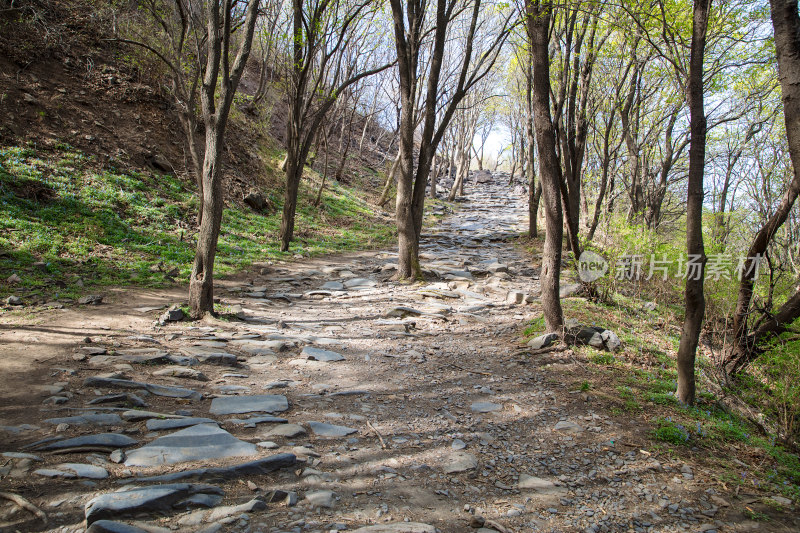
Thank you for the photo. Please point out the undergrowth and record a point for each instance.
(69, 225)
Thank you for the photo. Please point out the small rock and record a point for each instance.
(256, 200)
(13, 300)
(92, 299)
(13, 278)
(542, 341)
(460, 462)
(321, 498)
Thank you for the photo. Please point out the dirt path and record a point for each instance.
(426, 416)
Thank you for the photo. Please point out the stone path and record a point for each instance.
(343, 401)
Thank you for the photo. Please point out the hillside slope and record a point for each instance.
(94, 184)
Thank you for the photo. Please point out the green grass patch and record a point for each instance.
(670, 432)
(69, 224)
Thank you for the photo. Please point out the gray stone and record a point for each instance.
(145, 356)
(332, 286)
(323, 429)
(458, 444)
(54, 472)
(542, 341)
(318, 354)
(460, 462)
(251, 468)
(397, 527)
(485, 407)
(82, 470)
(101, 441)
(515, 297)
(134, 415)
(94, 419)
(210, 355)
(230, 510)
(172, 315)
(13, 300)
(195, 443)
(21, 455)
(571, 289)
(610, 340)
(568, 427)
(148, 499)
(152, 388)
(266, 403)
(321, 498)
(155, 424)
(286, 430)
(92, 299)
(359, 283)
(107, 526)
(181, 372)
(539, 485)
(125, 398)
(253, 421)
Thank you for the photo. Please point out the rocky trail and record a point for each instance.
(337, 400)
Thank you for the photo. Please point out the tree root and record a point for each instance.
(24, 504)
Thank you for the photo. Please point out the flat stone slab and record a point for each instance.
(460, 462)
(152, 388)
(332, 286)
(323, 429)
(101, 441)
(397, 527)
(568, 427)
(143, 355)
(134, 415)
(155, 424)
(485, 407)
(108, 526)
(538, 484)
(286, 430)
(260, 403)
(250, 468)
(149, 499)
(360, 283)
(181, 372)
(318, 354)
(100, 419)
(211, 355)
(252, 421)
(195, 443)
(73, 470)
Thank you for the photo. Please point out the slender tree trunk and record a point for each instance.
(538, 27)
(201, 282)
(217, 92)
(695, 300)
(786, 24)
(318, 199)
(189, 124)
(387, 186)
(434, 176)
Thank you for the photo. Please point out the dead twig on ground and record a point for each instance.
(24, 504)
(380, 438)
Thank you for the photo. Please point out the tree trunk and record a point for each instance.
(538, 26)
(786, 24)
(218, 90)
(434, 176)
(387, 186)
(201, 282)
(695, 300)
